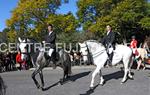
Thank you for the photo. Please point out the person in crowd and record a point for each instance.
(133, 46)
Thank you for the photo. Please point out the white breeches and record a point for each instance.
(50, 51)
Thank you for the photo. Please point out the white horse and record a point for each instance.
(142, 55)
(99, 55)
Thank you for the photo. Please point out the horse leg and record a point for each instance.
(41, 77)
(34, 79)
(101, 78)
(144, 66)
(93, 76)
(126, 69)
(143, 63)
(129, 71)
(65, 74)
(139, 64)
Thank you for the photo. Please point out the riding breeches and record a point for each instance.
(51, 50)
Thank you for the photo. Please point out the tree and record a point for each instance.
(128, 17)
(90, 10)
(32, 16)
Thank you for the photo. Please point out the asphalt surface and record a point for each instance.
(20, 82)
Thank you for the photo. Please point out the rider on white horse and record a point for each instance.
(109, 42)
(50, 40)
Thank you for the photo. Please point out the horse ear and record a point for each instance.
(19, 39)
(24, 40)
(79, 43)
(28, 40)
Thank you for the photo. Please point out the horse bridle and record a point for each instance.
(93, 55)
(25, 53)
(86, 50)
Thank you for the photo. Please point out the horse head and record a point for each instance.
(83, 48)
(22, 48)
(91, 46)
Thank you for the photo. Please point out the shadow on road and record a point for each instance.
(90, 91)
(78, 76)
(47, 88)
(72, 78)
(115, 75)
(75, 77)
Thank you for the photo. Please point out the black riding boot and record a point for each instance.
(53, 59)
(54, 63)
(110, 59)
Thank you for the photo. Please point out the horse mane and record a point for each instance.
(32, 40)
(95, 41)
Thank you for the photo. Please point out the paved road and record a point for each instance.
(20, 83)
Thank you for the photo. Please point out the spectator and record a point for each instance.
(19, 61)
(133, 46)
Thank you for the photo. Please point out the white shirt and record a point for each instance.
(50, 32)
(108, 32)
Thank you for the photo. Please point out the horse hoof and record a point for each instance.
(91, 88)
(123, 82)
(42, 88)
(131, 78)
(101, 84)
(61, 81)
(68, 77)
(38, 86)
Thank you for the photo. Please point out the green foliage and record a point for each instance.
(63, 23)
(30, 18)
(145, 23)
(125, 16)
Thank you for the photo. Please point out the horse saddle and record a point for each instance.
(55, 56)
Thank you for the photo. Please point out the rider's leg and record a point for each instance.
(49, 54)
(111, 53)
(53, 58)
(52, 55)
(51, 50)
(111, 56)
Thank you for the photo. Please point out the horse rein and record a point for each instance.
(93, 55)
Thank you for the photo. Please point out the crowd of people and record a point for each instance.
(7, 61)
(12, 61)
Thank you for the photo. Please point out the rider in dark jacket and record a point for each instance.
(50, 40)
(109, 42)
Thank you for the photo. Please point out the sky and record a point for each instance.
(6, 6)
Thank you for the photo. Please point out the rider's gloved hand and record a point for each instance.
(109, 45)
(43, 42)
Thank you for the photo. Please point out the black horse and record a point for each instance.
(39, 61)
